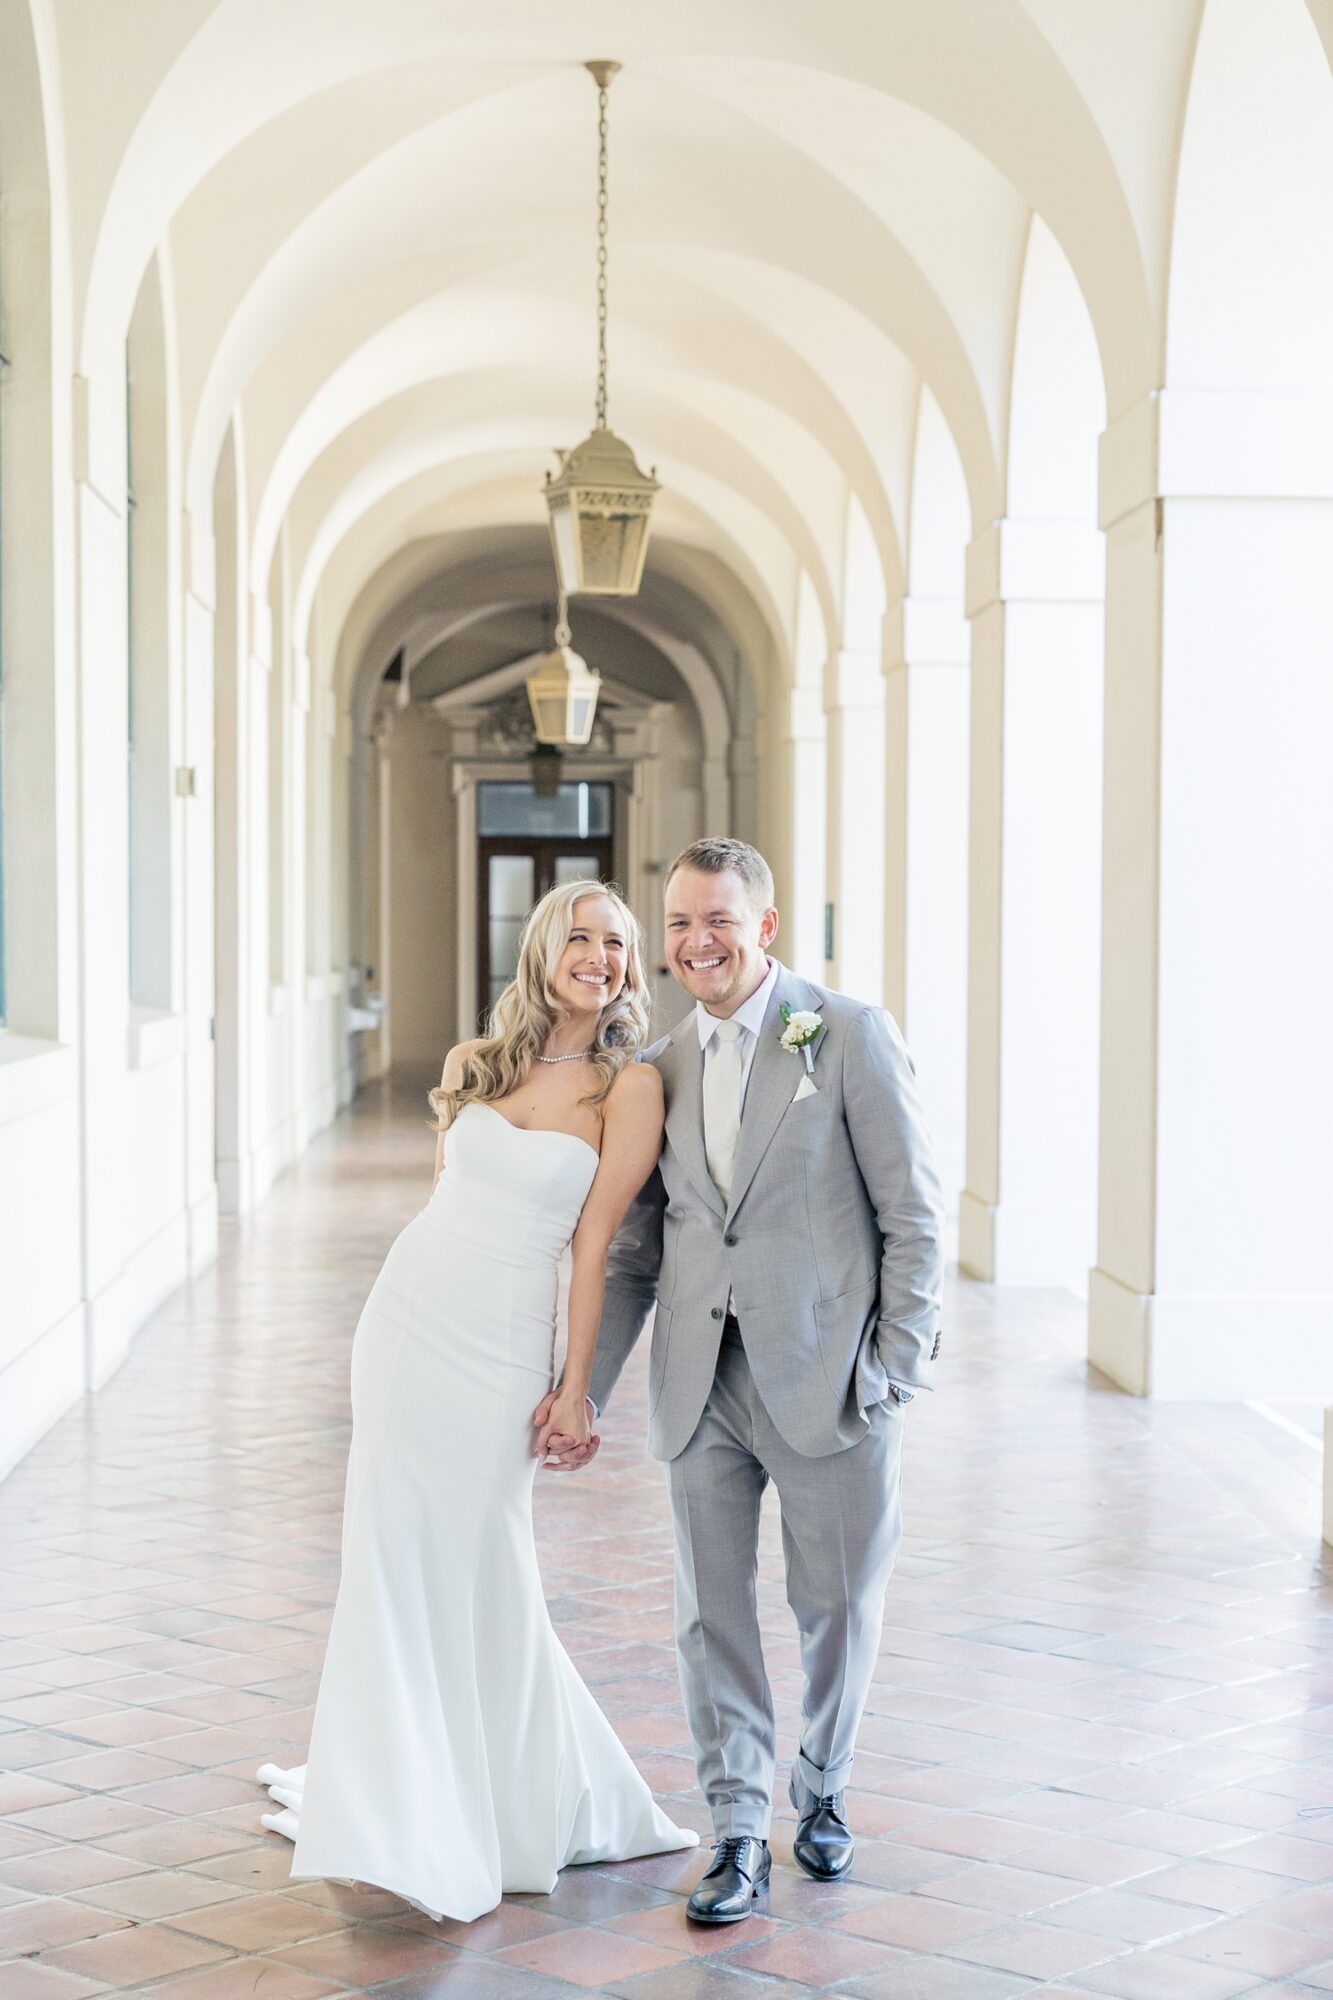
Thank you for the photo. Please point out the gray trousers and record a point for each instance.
(841, 1525)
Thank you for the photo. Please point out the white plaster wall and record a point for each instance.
(41, 1306)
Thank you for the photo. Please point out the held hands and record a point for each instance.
(565, 1438)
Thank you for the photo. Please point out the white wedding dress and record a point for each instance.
(455, 1753)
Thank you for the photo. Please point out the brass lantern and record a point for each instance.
(599, 507)
(599, 502)
(563, 691)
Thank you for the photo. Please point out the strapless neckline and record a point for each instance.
(534, 1131)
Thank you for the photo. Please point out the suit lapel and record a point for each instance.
(682, 1067)
(774, 1076)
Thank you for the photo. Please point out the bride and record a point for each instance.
(455, 1754)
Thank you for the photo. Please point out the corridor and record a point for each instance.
(1098, 1758)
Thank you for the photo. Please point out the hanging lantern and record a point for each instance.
(599, 502)
(563, 691)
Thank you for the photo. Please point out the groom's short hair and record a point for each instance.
(714, 855)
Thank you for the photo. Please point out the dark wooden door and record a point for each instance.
(514, 872)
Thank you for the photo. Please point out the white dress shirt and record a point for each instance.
(749, 1017)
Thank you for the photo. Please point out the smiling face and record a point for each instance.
(590, 971)
(716, 940)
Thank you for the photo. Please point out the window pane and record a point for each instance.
(576, 868)
(583, 811)
(510, 894)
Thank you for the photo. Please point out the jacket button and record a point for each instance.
(717, 1312)
(731, 1241)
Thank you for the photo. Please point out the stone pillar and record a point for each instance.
(854, 719)
(1034, 597)
(793, 830)
(1216, 1174)
(742, 817)
(197, 912)
(262, 802)
(237, 681)
(925, 847)
(112, 1311)
(301, 1122)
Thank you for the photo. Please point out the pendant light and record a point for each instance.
(599, 502)
(563, 690)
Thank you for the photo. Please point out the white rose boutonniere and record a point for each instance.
(801, 1029)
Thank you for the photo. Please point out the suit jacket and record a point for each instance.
(832, 1240)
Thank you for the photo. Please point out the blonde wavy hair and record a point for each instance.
(526, 1012)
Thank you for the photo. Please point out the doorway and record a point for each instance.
(527, 844)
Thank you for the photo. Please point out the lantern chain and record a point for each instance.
(602, 96)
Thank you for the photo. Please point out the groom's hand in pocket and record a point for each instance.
(562, 1453)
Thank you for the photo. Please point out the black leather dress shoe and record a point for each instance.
(823, 1845)
(739, 1875)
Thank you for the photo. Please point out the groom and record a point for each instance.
(791, 1241)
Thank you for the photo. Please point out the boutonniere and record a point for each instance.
(800, 1031)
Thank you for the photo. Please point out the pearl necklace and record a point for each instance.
(579, 1055)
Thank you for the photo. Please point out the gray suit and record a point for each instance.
(831, 1244)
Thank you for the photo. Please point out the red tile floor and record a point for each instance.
(1098, 1758)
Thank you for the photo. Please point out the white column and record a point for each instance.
(266, 995)
(741, 816)
(798, 863)
(854, 718)
(925, 844)
(1216, 1180)
(237, 684)
(384, 910)
(111, 1313)
(197, 913)
(302, 1117)
(1034, 596)
(344, 867)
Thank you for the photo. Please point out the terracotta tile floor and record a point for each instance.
(1098, 1760)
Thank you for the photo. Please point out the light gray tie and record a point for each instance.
(722, 1105)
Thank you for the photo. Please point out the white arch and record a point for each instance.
(949, 64)
(413, 534)
(864, 592)
(926, 784)
(1251, 290)
(152, 525)
(436, 422)
(37, 605)
(772, 393)
(939, 509)
(1036, 598)
(300, 300)
(394, 444)
(1057, 404)
(458, 595)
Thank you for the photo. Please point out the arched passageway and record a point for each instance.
(982, 353)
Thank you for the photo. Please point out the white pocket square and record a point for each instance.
(806, 1088)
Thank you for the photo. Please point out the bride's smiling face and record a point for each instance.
(590, 971)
